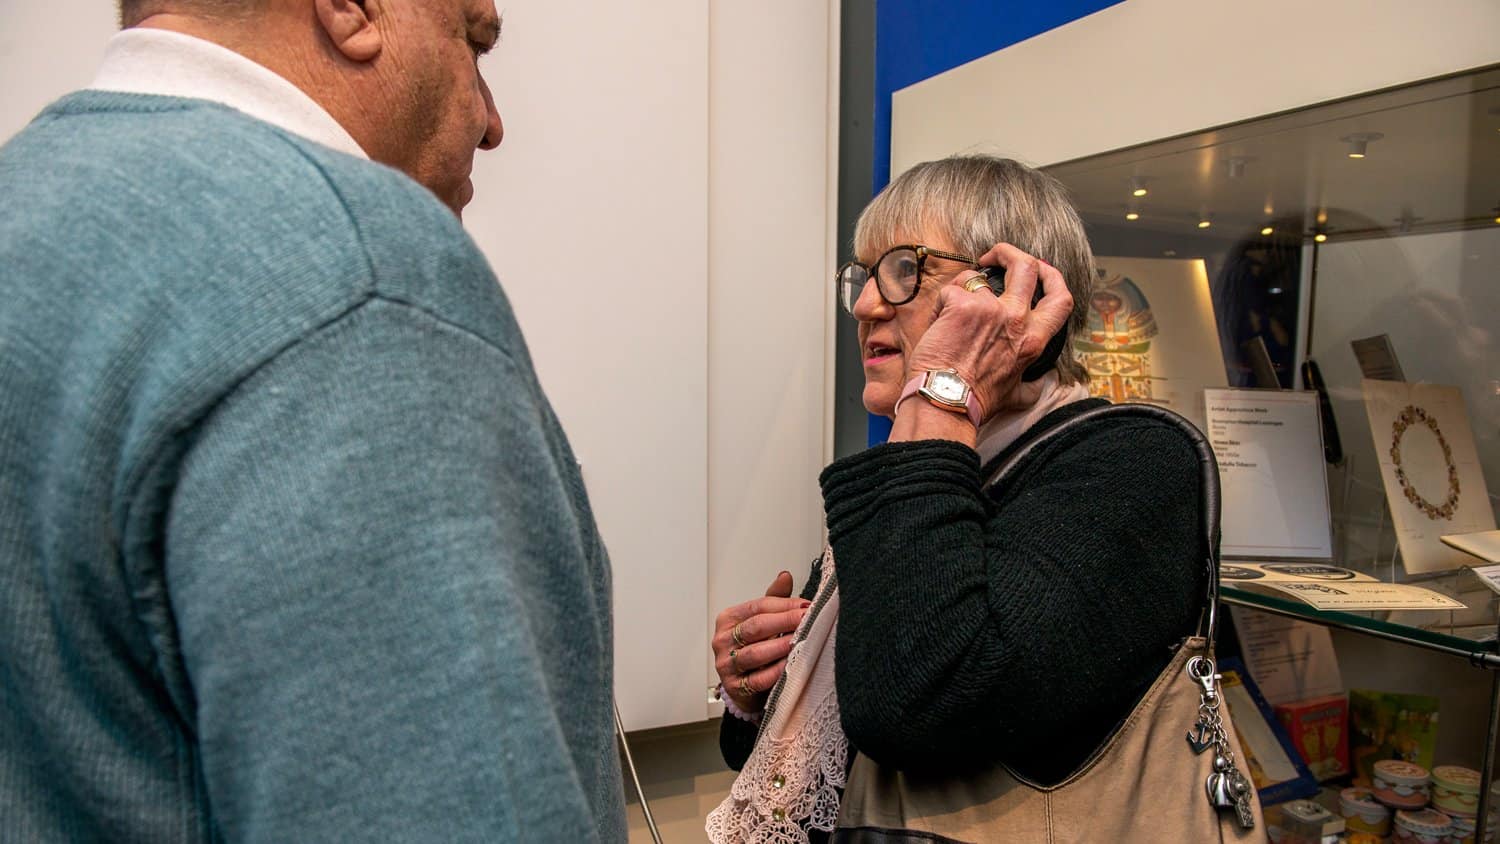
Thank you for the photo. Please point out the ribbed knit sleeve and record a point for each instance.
(1018, 625)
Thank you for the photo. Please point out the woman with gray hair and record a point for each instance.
(1016, 624)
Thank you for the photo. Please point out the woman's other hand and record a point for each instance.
(989, 340)
(751, 642)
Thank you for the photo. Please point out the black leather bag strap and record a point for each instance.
(1209, 483)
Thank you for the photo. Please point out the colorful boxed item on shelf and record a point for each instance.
(1385, 725)
(1425, 826)
(1319, 729)
(1455, 790)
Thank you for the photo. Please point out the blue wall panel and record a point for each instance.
(919, 39)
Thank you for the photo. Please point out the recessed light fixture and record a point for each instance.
(1267, 231)
(1204, 223)
(1138, 186)
(1132, 215)
(1359, 142)
(1320, 237)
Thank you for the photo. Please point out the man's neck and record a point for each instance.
(293, 51)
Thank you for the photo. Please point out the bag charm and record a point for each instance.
(1226, 786)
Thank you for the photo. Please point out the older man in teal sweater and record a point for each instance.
(292, 547)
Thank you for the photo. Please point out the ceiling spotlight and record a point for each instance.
(1267, 231)
(1132, 215)
(1359, 142)
(1138, 186)
(1320, 237)
(1204, 222)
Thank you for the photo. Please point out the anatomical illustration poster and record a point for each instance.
(1434, 484)
(1151, 335)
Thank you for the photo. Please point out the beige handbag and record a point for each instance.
(1167, 774)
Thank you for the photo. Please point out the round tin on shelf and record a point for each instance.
(1363, 813)
(1463, 830)
(1455, 790)
(1427, 826)
(1400, 784)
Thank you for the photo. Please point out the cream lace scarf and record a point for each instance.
(790, 782)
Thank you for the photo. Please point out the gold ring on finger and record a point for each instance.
(978, 283)
(734, 634)
(734, 660)
(745, 689)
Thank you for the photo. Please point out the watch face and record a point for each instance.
(947, 386)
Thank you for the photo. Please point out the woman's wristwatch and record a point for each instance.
(946, 389)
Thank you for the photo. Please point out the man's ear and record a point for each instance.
(350, 28)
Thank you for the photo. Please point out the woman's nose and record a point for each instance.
(871, 306)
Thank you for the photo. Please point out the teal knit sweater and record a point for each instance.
(292, 547)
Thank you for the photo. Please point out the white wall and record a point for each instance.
(46, 50)
(659, 215)
(593, 213)
(773, 110)
(1150, 69)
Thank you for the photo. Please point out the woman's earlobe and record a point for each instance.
(350, 27)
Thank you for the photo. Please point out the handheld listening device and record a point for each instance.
(1053, 350)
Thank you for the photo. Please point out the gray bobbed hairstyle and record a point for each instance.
(978, 201)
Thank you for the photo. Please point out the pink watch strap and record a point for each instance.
(976, 414)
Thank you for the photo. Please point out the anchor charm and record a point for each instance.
(1227, 788)
(1201, 738)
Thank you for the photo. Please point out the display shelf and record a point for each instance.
(1470, 633)
(1475, 639)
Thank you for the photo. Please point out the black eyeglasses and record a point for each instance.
(898, 274)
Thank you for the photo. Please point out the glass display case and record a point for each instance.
(1352, 246)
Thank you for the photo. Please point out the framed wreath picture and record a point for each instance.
(1434, 484)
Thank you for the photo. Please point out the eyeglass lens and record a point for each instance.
(895, 275)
